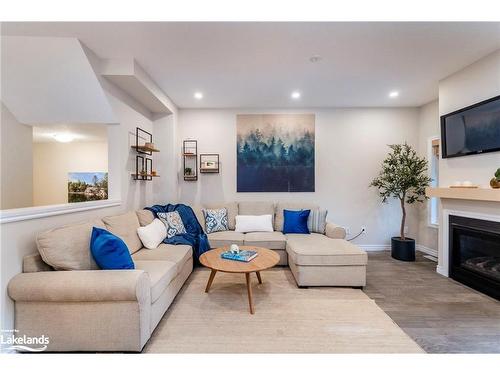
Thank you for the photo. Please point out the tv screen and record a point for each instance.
(472, 130)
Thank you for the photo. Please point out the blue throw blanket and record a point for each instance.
(195, 236)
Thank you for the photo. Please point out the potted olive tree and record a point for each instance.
(404, 177)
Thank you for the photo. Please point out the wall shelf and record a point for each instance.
(190, 160)
(143, 164)
(479, 194)
(145, 149)
(209, 163)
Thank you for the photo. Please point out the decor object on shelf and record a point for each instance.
(209, 163)
(495, 181)
(403, 176)
(190, 159)
(144, 165)
(275, 153)
(87, 186)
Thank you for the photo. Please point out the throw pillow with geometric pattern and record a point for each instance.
(215, 220)
(173, 223)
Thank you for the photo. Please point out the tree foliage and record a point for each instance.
(403, 176)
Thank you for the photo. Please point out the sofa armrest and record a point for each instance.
(335, 231)
(81, 286)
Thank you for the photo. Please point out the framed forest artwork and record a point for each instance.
(275, 153)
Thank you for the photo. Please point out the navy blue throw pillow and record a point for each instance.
(296, 221)
(109, 251)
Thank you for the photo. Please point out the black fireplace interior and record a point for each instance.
(475, 253)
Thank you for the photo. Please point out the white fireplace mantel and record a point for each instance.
(475, 194)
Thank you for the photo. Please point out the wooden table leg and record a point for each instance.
(258, 277)
(249, 290)
(210, 279)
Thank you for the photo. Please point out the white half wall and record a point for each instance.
(350, 145)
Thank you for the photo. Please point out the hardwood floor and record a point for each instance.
(440, 314)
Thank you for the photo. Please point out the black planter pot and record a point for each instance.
(403, 249)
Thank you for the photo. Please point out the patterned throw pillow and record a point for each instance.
(317, 221)
(215, 220)
(173, 222)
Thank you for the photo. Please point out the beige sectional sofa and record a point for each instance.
(316, 259)
(62, 293)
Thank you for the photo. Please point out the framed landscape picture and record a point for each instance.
(87, 186)
(275, 153)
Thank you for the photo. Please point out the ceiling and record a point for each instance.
(256, 65)
(78, 132)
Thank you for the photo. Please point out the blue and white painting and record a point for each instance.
(275, 153)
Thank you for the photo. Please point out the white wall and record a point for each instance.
(428, 128)
(350, 145)
(475, 83)
(166, 161)
(53, 161)
(17, 162)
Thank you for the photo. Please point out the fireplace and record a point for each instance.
(474, 251)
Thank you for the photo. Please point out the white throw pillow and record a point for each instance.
(254, 223)
(152, 234)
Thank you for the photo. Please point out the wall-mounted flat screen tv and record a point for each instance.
(472, 130)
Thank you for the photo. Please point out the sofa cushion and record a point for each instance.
(198, 212)
(256, 208)
(68, 248)
(270, 240)
(317, 221)
(221, 239)
(232, 211)
(109, 251)
(178, 254)
(254, 223)
(317, 249)
(296, 221)
(161, 273)
(215, 220)
(125, 226)
(153, 234)
(145, 217)
(294, 206)
(173, 223)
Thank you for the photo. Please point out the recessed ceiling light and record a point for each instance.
(295, 95)
(393, 94)
(198, 95)
(63, 137)
(315, 58)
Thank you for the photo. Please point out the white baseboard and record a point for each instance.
(421, 248)
(375, 247)
(426, 250)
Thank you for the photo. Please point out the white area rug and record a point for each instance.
(286, 320)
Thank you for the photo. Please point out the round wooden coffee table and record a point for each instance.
(266, 259)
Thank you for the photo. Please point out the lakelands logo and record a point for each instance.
(13, 341)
